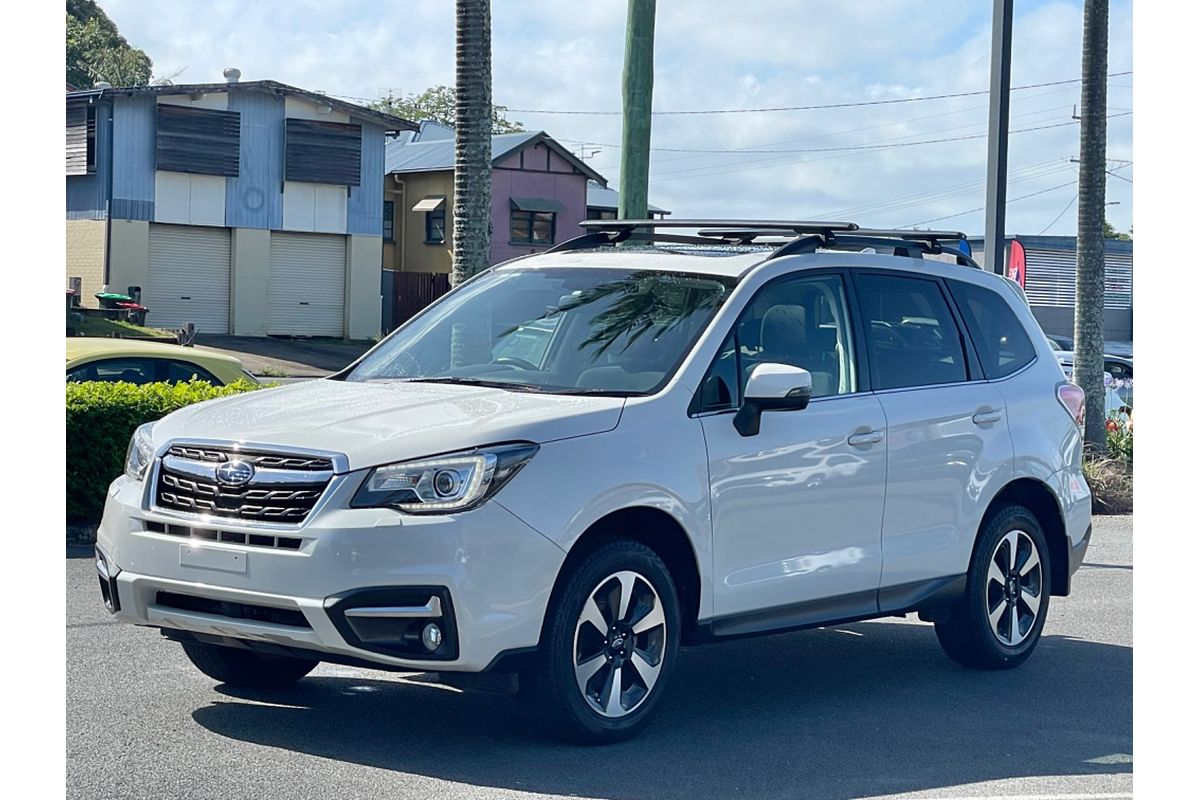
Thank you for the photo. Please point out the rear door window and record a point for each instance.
(182, 372)
(1000, 339)
(912, 336)
(130, 370)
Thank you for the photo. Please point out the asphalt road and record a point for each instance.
(863, 710)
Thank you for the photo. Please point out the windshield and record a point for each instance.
(561, 330)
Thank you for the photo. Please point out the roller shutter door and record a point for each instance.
(308, 285)
(188, 278)
(1050, 278)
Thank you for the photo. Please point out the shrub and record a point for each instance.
(101, 417)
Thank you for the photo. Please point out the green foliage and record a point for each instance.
(438, 105)
(1112, 233)
(1120, 444)
(101, 418)
(97, 51)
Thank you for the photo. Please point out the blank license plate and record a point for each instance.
(212, 558)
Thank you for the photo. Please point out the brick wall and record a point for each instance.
(85, 257)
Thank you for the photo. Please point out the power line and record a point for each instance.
(875, 147)
(1060, 214)
(982, 208)
(816, 107)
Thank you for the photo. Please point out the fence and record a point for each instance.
(409, 293)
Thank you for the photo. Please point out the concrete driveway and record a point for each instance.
(864, 710)
(296, 358)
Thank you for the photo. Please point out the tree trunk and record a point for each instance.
(1088, 370)
(472, 158)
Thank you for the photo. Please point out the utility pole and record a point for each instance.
(637, 91)
(1088, 368)
(997, 170)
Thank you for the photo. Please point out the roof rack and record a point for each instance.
(792, 236)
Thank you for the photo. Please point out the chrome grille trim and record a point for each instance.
(284, 490)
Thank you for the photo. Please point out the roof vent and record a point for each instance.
(102, 85)
(232, 74)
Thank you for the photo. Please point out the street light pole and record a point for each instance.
(997, 170)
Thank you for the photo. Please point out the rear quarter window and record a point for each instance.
(1000, 339)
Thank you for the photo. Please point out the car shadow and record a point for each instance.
(861, 709)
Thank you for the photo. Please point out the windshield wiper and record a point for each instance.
(520, 387)
(465, 381)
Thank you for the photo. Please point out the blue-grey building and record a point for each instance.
(1045, 267)
(250, 208)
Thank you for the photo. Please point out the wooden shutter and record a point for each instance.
(202, 141)
(322, 152)
(77, 151)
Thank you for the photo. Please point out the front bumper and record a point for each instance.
(360, 581)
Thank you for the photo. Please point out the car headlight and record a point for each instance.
(140, 453)
(443, 484)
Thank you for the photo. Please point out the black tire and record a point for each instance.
(550, 691)
(968, 636)
(243, 668)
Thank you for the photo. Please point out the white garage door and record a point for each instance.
(308, 285)
(188, 278)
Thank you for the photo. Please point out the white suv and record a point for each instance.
(578, 461)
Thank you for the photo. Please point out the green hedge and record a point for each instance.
(101, 417)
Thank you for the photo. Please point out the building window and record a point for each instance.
(531, 227)
(316, 151)
(202, 141)
(601, 213)
(435, 226)
(389, 221)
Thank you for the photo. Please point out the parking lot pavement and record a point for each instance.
(864, 710)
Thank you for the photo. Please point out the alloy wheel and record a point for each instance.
(1013, 592)
(620, 642)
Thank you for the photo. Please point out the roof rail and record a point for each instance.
(793, 226)
(800, 236)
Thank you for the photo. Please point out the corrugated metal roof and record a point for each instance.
(390, 122)
(436, 155)
(603, 197)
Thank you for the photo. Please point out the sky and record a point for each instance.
(855, 163)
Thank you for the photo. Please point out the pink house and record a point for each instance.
(539, 197)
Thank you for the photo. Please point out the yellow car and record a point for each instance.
(95, 359)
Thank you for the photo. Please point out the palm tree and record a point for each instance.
(1089, 275)
(472, 154)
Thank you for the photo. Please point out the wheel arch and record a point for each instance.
(659, 531)
(1040, 500)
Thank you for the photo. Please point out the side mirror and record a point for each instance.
(772, 387)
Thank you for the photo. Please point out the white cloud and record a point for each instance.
(549, 54)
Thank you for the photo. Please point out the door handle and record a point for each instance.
(864, 439)
(986, 417)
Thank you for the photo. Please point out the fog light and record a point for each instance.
(431, 637)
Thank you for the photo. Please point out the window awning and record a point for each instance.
(538, 204)
(430, 203)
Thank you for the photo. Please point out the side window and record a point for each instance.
(131, 370)
(913, 339)
(719, 391)
(1000, 338)
(182, 372)
(797, 321)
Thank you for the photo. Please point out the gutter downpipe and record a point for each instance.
(108, 190)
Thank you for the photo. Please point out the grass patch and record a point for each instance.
(1111, 482)
(272, 372)
(110, 329)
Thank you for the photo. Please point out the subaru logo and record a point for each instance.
(235, 473)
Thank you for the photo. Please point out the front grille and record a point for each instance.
(283, 487)
(231, 537)
(224, 608)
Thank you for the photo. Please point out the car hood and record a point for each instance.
(381, 422)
